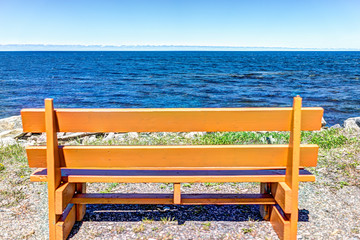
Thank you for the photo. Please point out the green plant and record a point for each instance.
(206, 226)
(247, 230)
(167, 220)
(139, 228)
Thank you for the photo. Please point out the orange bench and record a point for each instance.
(67, 169)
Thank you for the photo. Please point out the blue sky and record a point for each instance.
(250, 23)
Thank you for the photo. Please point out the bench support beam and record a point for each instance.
(292, 169)
(177, 193)
(53, 164)
(64, 194)
(80, 208)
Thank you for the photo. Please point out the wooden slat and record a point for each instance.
(187, 199)
(245, 199)
(280, 224)
(172, 176)
(177, 193)
(63, 195)
(122, 198)
(282, 195)
(172, 120)
(66, 222)
(190, 156)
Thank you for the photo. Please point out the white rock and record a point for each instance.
(352, 123)
(42, 138)
(10, 123)
(110, 136)
(336, 126)
(194, 134)
(7, 141)
(69, 136)
(92, 138)
(133, 135)
(11, 133)
(323, 122)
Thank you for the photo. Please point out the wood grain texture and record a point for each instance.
(171, 176)
(63, 195)
(66, 222)
(189, 156)
(280, 224)
(172, 120)
(52, 163)
(292, 173)
(80, 208)
(282, 195)
(265, 188)
(177, 193)
(187, 199)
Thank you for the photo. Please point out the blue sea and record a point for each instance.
(181, 79)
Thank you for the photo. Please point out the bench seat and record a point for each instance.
(170, 176)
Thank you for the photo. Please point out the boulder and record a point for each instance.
(13, 133)
(6, 141)
(10, 123)
(336, 126)
(323, 122)
(352, 123)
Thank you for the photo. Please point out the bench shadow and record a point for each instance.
(181, 214)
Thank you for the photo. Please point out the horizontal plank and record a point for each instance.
(172, 176)
(186, 199)
(189, 156)
(172, 120)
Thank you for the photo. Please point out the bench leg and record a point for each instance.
(80, 208)
(265, 209)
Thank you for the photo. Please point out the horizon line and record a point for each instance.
(149, 47)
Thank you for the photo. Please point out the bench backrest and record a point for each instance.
(52, 120)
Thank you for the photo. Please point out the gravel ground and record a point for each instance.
(325, 213)
(328, 208)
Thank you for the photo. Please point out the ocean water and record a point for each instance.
(181, 79)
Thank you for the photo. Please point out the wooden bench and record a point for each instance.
(67, 169)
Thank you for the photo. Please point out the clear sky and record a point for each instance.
(244, 23)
